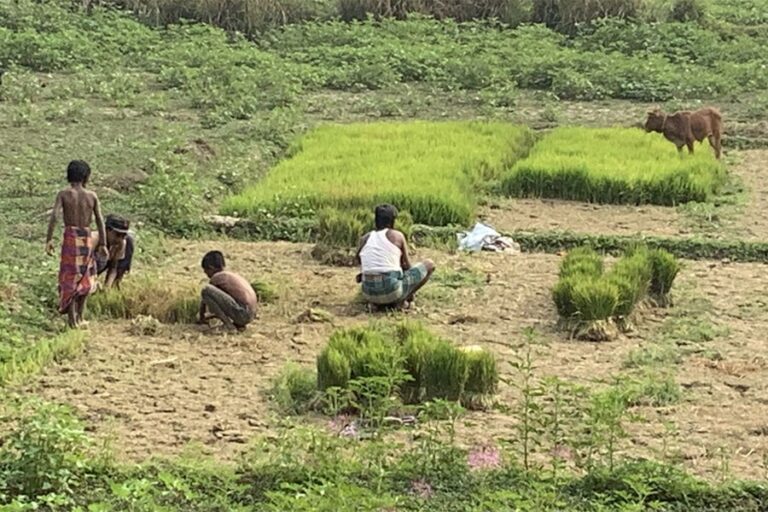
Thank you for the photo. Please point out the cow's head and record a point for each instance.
(655, 120)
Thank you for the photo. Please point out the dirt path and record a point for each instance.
(158, 394)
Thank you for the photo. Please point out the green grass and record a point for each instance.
(614, 165)
(432, 170)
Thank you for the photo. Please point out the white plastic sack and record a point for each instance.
(474, 240)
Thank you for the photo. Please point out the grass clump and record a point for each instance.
(423, 366)
(613, 165)
(430, 169)
(591, 301)
(169, 303)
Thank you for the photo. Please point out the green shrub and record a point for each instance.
(43, 454)
(613, 166)
(568, 15)
(358, 166)
(295, 389)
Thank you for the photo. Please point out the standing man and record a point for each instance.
(228, 296)
(387, 277)
(77, 266)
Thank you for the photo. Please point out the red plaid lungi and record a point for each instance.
(78, 266)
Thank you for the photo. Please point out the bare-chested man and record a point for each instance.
(78, 261)
(228, 296)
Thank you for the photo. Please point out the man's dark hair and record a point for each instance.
(385, 216)
(78, 171)
(213, 260)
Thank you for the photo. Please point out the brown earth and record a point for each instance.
(156, 395)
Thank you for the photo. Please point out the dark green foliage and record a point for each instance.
(688, 10)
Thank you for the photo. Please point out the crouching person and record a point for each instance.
(227, 296)
(387, 277)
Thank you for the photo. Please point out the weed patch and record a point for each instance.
(613, 166)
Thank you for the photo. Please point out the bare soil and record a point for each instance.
(747, 221)
(156, 395)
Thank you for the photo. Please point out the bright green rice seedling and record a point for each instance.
(264, 292)
(333, 369)
(562, 295)
(445, 372)
(295, 389)
(482, 372)
(595, 299)
(418, 345)
(582, 260)
(431, 169)
(632, 277)
(665, 268)
(613, 165)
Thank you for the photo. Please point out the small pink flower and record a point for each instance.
(422, 489)
(484, 457)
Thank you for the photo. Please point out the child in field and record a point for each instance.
(78, 261)
(228, 296)
(120, 245)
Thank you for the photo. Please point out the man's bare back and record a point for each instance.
(78, 207)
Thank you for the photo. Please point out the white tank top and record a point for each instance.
(379, 254)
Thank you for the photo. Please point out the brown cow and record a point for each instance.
(685, 127)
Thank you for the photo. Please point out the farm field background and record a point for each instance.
(183, 121)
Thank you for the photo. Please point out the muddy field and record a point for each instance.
(159, 394)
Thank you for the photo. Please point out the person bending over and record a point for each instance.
(120, 245)
(77, 266)
(387, 276)
(227, 296)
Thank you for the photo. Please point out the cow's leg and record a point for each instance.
(680, 150)
(714, 141)
(689, 143)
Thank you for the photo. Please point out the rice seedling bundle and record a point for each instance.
(613, 165)
(167, 302)
(436, 368)
(592, 300)
(431, 169)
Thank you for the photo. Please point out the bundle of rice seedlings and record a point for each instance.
(665, 268)
(264, 292)
(340, 228)
(418, 346)
(445, 372)
(632, 276)
(168, 302)
(333, 369)
(582, 260)
(562, 295)
(295, 389)
(482, 376)
(595, 301)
